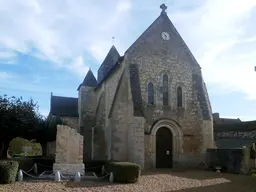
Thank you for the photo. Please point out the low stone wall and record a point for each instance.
(235, 135)
(230, 160)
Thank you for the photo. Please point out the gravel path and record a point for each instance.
(155, 181)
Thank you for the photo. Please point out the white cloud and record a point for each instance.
(61, 30)
(219, 34)
(77, 65)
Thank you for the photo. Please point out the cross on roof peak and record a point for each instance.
(163, 7)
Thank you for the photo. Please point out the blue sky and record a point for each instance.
(48, 46)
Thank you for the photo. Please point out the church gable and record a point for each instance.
(162, 38)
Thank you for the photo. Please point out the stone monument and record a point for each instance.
(69, 151)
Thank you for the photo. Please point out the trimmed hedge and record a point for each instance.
(8, 171)
(124, 172)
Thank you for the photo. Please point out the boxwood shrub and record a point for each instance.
(8, 171)
(124, 172)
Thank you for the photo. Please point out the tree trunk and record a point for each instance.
(2, 150)
(44, 149)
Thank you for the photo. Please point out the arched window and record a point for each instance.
(165, 90)
(179, 96)
(150, 93)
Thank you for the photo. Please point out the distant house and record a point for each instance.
(233, 133)
(66, 108)
(218, 120)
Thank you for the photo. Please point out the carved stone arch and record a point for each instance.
(152, 80)
(163, 119)
(184, 93)
(161, 74)
(177, 137)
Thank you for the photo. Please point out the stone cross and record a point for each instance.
(163, 7)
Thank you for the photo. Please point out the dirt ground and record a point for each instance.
(154, 180)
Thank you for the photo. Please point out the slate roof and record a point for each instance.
(64, 106)
(239, 126)
(112, 70)
(226, 120)
(110, 60)
(89, 80)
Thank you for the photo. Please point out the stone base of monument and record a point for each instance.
(68, 169)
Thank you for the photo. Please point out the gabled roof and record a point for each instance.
(236, 126)
(64, 106)
(89, 80)
(226, 121)
(110, 60)
(162, 20)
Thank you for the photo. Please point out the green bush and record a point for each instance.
(124, 171)
(16, 147)
(8, 171)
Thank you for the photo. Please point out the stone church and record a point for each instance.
(149, 106)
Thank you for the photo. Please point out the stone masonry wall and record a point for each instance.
(118, 119)
(156, 57)
(87, 117)
(136, 141)
(99, 130)
(109, 88)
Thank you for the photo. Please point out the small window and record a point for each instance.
(150, 93)
(165, 90)
(179, 97)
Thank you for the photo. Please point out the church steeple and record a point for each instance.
(110, 60)
(89, 80)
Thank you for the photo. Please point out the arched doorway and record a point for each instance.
(164, 148)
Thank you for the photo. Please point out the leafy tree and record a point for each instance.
(18, 118)
(48, 130)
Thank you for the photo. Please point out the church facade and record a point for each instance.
(149, 106)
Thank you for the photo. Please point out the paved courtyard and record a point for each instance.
(155, 181)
